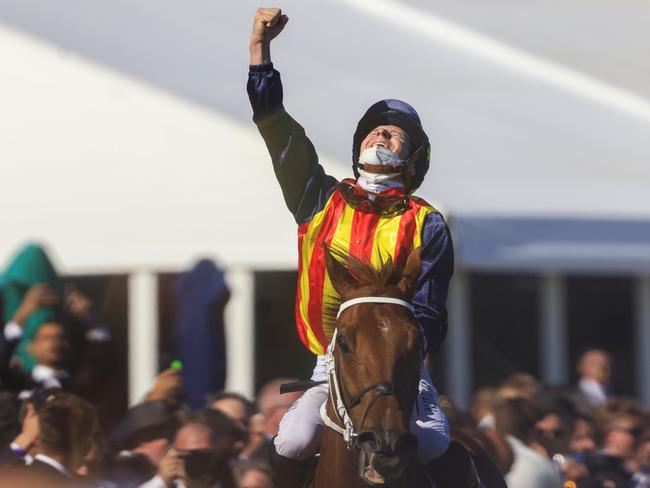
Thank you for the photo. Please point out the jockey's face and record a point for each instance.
(389, 136)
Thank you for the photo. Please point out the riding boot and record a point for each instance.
(454, 469)
(290, 473)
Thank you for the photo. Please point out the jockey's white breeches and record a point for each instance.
(301, 428)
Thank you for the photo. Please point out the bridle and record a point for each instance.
(381, 388)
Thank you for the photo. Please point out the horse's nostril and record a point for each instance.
(406, 445)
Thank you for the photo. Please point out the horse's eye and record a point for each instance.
(342, 343)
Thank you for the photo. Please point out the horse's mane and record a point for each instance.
(367, 275)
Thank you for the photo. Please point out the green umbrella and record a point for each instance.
(29, 267)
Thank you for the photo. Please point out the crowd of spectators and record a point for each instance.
(543, 437)
(51, 433)
(53, 438)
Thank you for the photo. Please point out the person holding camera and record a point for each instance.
(194, 461)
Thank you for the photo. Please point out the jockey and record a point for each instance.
(372, 217)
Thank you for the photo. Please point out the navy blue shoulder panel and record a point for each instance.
(437, 255)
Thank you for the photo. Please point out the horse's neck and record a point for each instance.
(337, 466)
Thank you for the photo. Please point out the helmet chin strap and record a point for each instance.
(408, 168)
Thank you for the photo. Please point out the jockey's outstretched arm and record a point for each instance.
(304, 184)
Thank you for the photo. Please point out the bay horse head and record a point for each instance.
(375, 355)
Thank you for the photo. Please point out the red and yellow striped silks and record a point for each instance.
(369, 237)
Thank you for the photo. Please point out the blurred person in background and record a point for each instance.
(258, 441)
(264, 426)
(50, 349)
(37, 297)
(194, 461)
(482, 402)
(94, 469)
(66, 426)
(520, 385)
(236, 406)
(31, 296)
(273, 405)
(242, 411)
(595, 370)
(583, 436)
(641, 478)
(50, 337)
(620, 425)
(22, 448)
(516, 418)
(143, 438)
(167, 387)
(253, 475)
(554, 430)
(553, 434)
(230, 436)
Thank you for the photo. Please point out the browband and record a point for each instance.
(356, 301)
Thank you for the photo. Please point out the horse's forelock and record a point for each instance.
(377, 278)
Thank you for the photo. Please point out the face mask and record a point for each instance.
(380, 156)
(379, 182)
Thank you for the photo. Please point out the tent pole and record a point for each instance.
(240, 332)
(643, 339)
(553, 330)
(459, 362)
(142, 333)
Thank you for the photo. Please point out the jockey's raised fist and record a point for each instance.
(268, 23)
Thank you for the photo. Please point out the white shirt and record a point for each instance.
(593, 391)
(530, 469)
(54, 463)
(13, 331)
(487, 423)
(48, 377)
(157, 482)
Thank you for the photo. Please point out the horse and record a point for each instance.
(373, 374)
(373, 369)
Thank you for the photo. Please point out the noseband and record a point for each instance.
(382, 388)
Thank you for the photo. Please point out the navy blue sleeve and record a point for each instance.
(437, 255)
(305, 185)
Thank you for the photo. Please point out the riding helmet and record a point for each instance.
(404, 116)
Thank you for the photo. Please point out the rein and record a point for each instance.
(382, 388)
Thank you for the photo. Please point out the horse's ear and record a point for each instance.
(410, 274)
(340, 276)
